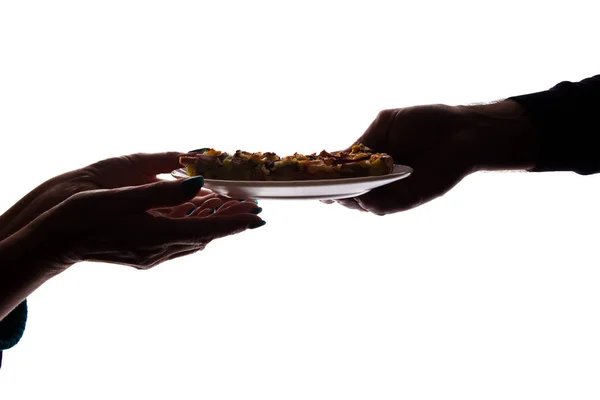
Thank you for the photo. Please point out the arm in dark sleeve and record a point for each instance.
(567, 121)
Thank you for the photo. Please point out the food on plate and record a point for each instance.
(360, 161)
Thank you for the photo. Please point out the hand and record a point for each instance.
(443, 144)
(140, 226)
(130, 170)
(126, 226)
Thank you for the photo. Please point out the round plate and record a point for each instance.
(322, 189)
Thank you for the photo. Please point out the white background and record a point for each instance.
(492, 291)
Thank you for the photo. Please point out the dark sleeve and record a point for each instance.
(567, 120)
(12, 327)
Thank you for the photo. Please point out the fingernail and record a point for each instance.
(191, 211)
(244, 200)
(256, 211)
(202, 150)
(192, 185)
(258, 224)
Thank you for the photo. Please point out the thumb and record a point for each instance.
(376, 135)
(156, 195)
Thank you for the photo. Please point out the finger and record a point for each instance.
(435, 174)
(181, 211)
(198, 201)
(195, 231)
(228, 204)
(203, 213)
(350, 203)
(376, 135)
(168, 210)
(403, 195)
(211, 204)
(206, 208)
(155, 163)
(205, 192)
(390, 199)
(240, 208)
(209, 207)
(153, 195)
(156, 213)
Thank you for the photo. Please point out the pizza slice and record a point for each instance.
(359, 161)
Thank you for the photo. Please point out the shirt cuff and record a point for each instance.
(566, 127)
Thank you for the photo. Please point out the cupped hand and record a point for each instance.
(125, 171)
(129, 225)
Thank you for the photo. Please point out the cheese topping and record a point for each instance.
(359, 161)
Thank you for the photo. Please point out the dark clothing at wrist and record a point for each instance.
(567, 122)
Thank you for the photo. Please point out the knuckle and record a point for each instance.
(129, 158)
(202, 241)
(82, 200)
(162, 186)
(149, 259)
(389, 116)
(385, 114)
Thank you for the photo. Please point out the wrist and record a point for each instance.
(26, 262)
(502, 136)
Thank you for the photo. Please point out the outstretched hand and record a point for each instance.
(116, 172)
(127, 226)
(117, 211)
(443, 144)
(138, 225)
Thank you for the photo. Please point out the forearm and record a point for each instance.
(553, 130)
(25, 264)
(36, 202)
(500, 136)
(9, 215)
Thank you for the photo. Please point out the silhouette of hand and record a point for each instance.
(130, 170)
(443, 144)
(119, 225)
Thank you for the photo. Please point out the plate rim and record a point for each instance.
(406, 170)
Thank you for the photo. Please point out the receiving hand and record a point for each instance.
(115, 211)
(130, 170)
(127, 226)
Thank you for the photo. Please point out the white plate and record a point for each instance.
(323, 189)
